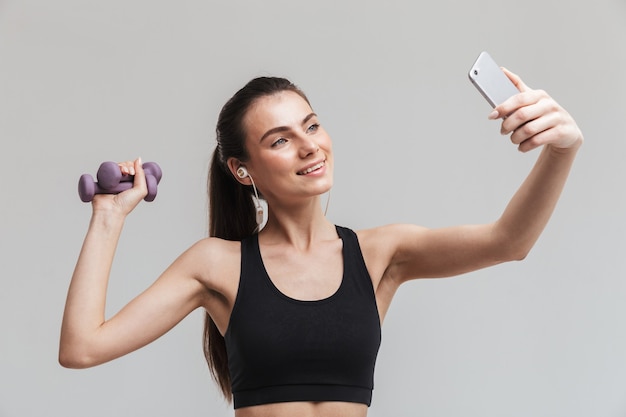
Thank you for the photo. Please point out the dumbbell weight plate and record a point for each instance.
(109, 175)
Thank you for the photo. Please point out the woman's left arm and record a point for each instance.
(532, 119)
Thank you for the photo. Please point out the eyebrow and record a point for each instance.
(285, 128)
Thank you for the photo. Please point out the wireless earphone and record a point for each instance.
(242, 173)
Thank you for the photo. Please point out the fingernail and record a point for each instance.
(493, 115)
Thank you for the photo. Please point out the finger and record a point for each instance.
(516, 80)
(503, 110)
(516, 102)
(545, 137)
(140, 176)
(534, 129)
(127, 167)
(528, 110)
(128, 200)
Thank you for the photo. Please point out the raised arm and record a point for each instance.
(532, 119)
(87, 338)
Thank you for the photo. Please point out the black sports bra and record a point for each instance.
(281, 349)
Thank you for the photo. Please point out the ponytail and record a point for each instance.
(231, 217)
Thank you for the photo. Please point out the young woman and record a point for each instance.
(294, 310)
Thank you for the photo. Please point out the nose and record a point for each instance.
(308, 146)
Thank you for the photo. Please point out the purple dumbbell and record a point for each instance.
(112, 181)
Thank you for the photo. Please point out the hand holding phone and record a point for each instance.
(490, 80)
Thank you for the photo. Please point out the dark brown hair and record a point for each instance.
(231, 208)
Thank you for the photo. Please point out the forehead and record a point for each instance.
(286, 108)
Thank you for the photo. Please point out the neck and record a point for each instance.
(298, 225)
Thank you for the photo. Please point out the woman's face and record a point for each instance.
(290, 153)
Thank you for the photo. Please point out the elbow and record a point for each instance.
(72, 361)
(510, 251)
(68, 362)
(511, 245)
(74, 358)
(520, 256)
(516, 253)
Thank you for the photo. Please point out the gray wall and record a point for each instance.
(83, 82)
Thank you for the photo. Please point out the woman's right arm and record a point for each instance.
(87, 338)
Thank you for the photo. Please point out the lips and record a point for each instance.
(312, 168)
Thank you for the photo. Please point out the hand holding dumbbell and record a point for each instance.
(112, 181)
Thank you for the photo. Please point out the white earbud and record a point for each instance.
(242, 173)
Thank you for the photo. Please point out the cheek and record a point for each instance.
(325, 141)
(277, 165)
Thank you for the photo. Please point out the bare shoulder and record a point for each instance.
(388, 238)
(215, 263)
(215, 248)
(382, 245)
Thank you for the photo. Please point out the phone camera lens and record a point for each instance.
(475, 72)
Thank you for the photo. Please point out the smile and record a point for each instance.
(312, 168)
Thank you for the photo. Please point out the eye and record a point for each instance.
(279, 142)
(313, 128)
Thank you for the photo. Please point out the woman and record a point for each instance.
(294, 310)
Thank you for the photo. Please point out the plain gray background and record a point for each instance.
(82, 82)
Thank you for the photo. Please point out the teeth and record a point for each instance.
(313, 168)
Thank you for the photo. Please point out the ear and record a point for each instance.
(233, 166)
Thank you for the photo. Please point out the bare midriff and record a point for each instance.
(304, 409)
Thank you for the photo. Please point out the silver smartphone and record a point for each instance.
(490, 80)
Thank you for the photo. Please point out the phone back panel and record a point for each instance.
(490, 80)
